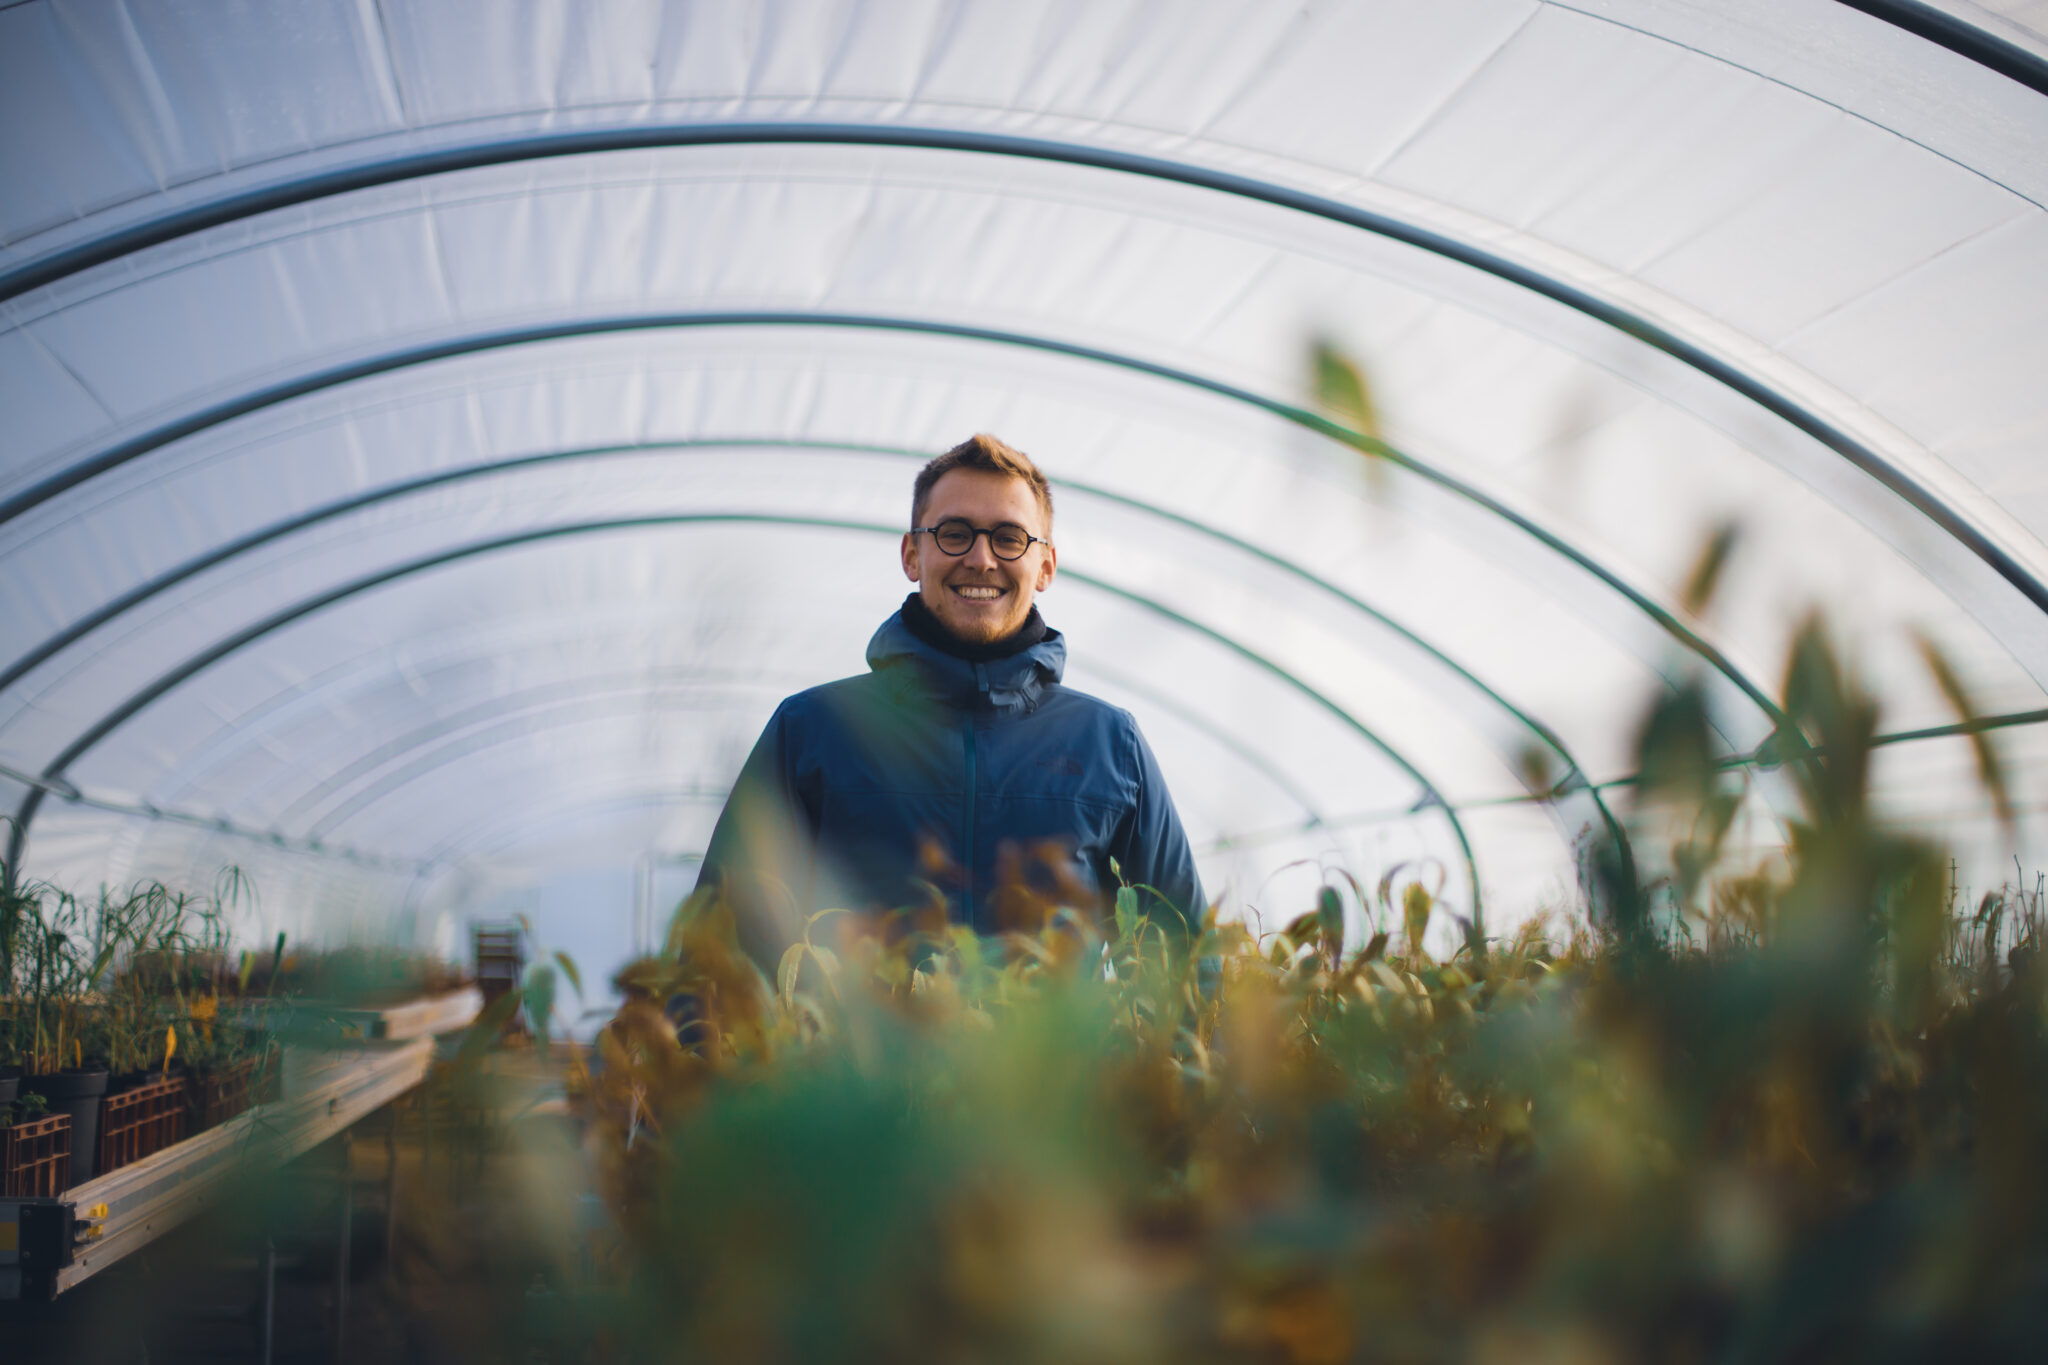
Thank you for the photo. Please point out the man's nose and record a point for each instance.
(980, 554)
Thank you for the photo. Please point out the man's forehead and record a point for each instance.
(978, 493)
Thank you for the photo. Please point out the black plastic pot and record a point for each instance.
(77, 1093)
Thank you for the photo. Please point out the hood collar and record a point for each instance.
(1017, 683)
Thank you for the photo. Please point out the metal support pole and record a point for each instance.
(390, 1185)
(341, 1256)
(266, 1308)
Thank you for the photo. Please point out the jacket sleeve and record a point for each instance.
(761, 853)
(1151, 847)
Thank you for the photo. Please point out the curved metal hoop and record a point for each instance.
(197, 663)
(1572, 775)
(234, 207)
(299, 387)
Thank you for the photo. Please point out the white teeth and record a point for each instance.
(980, 594)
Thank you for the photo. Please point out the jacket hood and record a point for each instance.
(1015, 684)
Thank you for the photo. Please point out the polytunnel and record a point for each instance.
(438, 435)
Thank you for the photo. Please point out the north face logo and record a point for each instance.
(1066, 767)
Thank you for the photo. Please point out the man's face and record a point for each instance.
(976, 596)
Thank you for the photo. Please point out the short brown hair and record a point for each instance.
(984, 452)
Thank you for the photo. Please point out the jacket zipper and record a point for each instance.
(967, 859)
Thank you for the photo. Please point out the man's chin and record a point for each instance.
(975, 632)
(975, 628)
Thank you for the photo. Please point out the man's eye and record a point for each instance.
(1010, 540)
(955, 536)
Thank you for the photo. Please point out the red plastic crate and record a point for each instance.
(215, 1097)
(141, 1122)
(35, 1157)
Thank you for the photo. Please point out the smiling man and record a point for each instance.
(957, 772)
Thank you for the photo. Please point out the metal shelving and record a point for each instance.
(333, 1025)
(48, 1246)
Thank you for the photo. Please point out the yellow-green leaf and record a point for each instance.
(1706, 570)
(1342, 391)
(1990, 769)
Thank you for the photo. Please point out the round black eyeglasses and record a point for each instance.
(956, 536)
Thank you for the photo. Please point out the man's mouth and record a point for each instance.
(976, 592)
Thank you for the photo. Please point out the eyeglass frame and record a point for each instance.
(980, 531)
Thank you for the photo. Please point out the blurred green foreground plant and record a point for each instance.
(1797, 1111)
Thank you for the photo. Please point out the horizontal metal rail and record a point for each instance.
(49, 1246)
(332, 1023)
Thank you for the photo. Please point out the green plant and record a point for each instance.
(1792, 1109)
(22, 1108)
(128, 980)
(55, 1018)
(361, 975)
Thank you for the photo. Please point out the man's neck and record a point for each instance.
(928, 628)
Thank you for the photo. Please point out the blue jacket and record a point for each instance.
(930, 776)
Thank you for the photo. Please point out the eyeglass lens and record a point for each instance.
(957, 538)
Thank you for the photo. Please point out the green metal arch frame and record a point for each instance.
(503, 711)
(55, 771)
(527, 700)
(412, 165)
(442, 855)
(300, 386)
(1572, 779)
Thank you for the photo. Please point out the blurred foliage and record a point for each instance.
(357, 976)
(1797, 1110)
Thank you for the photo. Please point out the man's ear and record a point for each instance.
(1047, 567)
(910, 557)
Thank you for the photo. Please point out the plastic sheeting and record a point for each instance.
(438, 435)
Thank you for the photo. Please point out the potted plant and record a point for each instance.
(56, 1022)
(146, 1108)
(12, 917)
(229, 1059)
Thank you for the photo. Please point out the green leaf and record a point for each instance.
(1330, 915)
(540, 998)
(1705, 577)
(1990, 769)
(1126, 913)
(786, 970)
(487, 1027)
(1416, 903)
(1675, 748)
(568, 965)
(1342, 391)
(822, 914)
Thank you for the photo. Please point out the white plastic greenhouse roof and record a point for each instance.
(436, 435)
